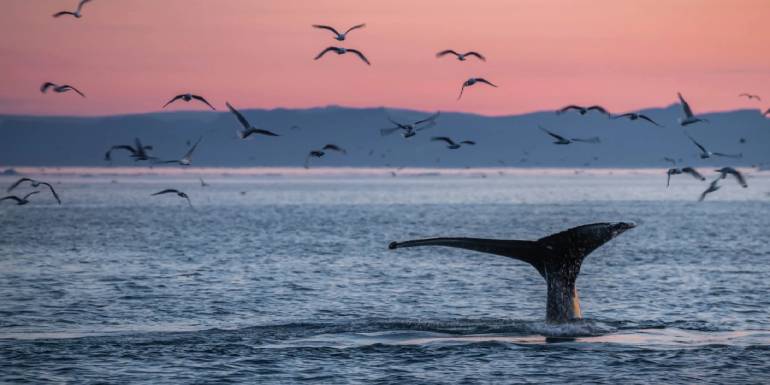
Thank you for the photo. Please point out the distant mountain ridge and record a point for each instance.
(513, 141)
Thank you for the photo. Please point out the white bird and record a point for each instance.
(59, 88)
(461, 56)
(248, 129)
(724, 171)
(714, 186)
(174, 191)
(342, 51)
(450, 143)
(35, 184)
(410, 129)
(188, 97)
(339, 36)
(187, 158)
(19, 201)
(689, 117)
(76, 14)
(705, 154)
(471, 82)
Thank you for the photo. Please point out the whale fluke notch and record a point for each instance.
(557, 258)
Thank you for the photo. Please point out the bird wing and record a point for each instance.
(166, 191)
(740, 177)
(476, 54)
(62, 13)
(734, 156)
(202, 99)
(598, 108)
(361, 55)
(693, 172)
(593, 139)
(334, 147)
(469, 142)
(12, 197)
(570, 107)
(685, 106)
(559, 137)
(324, 52)
(461, 90)
(17, 183)
(30, 194)
(443, 139)
(702, 149)
(188, 155)
(668, 180)
(485, 81)
(263, 132)
(82, 3)
(175, 98)
(645, 117)
(446, 52)
(354, 27)
(326, 27)
(53, 192)
(46, 86)
(428, 119)
(245, 123)
(119, 147)
(67, 86)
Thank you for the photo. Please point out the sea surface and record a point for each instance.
(288, 279)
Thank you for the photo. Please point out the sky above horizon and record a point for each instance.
(132, 56)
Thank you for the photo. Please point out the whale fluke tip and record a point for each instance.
(392, 245)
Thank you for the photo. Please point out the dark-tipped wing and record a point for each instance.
(67, 86)
(485, 81)
(188, 155)
(693, 172)
(324, 52)
(334, 147)
(175, 98)
(326, 27)
(166, 191)
(62, 13)
(593, 139)
(245, 123)
(443, 139)
(570, 107)
(476, 54)
(53, 192)
(258, 131)
(46, 86)
(685, 106)
(556, 136)
(630, 114)
(734, 156)
(428, 119)
(702, 149)
(12, 197)
(81, 4)
(645, 117)
(17, 183)
(446, 52)
(598, 108)
(355, 27)
(107, 156)
(469, 142)
(361, 55)
(202, 99)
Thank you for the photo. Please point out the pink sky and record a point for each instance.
(131, 56)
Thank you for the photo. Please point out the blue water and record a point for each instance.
(289, 280)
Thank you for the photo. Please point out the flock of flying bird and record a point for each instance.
(140, 152)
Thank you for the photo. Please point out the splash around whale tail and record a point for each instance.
(557, 258)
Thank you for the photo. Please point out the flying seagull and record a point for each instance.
(714, 186)
(322, 152)
(59, 88)
(685, 170)
(76, 14)
(248, 129)
(174, 191)
(562, 140)
(203, 183)
(635, 116)
(339, 36)
(341, 51)
(461, 56)
(582, 110)
(187, 158)
(689, 117)
(19, 201)
(450, 143)
(705, 154)
(35, 184)
(471, 82)
(750, 96)
(724, 171)
(188, 97)
(410, 129)
(138, 153)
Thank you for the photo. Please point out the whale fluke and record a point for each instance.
(557, 258)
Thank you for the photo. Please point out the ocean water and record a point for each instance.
(288, 279)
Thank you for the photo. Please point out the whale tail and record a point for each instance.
(557, 258)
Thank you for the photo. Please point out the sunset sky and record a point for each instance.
(132, 56)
